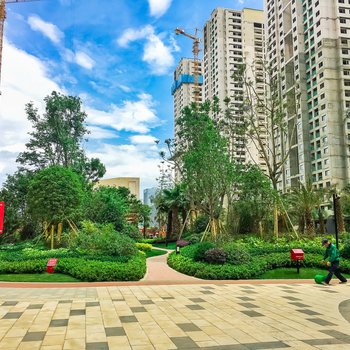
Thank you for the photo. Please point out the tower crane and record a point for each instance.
(2, 22)
(195, 50)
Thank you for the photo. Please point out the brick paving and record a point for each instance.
(185, 314)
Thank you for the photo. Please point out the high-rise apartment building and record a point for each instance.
(187, 78)
(308, 41)
(231, 38)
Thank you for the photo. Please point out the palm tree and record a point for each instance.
(305, 198)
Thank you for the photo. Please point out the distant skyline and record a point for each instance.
(118, 56)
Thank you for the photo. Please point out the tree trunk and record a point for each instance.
(310, 224)
(175, 222)
(339, 214)
(275, 220)
(301, 225)
(169, 226)
(321, 221)
(52, 235)
(261, 229)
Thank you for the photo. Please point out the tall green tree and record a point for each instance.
(264, 119)
(57, 137)
(55, 195)
(207, 170)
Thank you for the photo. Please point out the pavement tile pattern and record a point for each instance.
(187, 317)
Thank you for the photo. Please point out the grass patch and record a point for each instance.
(37, 277)
(171, 245)
(154, 252)
(291, 273)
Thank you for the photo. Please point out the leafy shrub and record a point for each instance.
(132, 231)
(215, 256)
(236, 254)
(194, 238)
(345, 252)
(103, 240)
(182, 243)
(200, 224)
(200, 249)
(144, 247)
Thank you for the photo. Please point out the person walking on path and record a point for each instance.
(333, 256)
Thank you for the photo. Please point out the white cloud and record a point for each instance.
(130, 161)
(84, 60)
(158, 55)
(143, 139)
(24, 79)
(98, 133)
(158, 7)
(49, 30)
(131, 35)
(136, 116)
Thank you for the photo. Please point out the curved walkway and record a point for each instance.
(159, 271)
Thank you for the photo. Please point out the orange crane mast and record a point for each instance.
(195, 50)
(2, 22)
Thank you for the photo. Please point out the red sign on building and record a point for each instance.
(2, 212)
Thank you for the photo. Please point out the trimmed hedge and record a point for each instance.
(83, 268)
(257, 266)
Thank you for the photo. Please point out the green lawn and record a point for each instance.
(155, 252)
(171, 245)
(291, 273)
(37, 277)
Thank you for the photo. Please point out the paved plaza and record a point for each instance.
(183, 316)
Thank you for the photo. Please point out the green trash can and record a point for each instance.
(319, 279)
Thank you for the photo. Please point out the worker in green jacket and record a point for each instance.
(333, 256)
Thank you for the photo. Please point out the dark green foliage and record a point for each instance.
(215, 256)
(200, 224)
(200, 249)
(57, 137)
(133, 232)
(195, 238)
(107, 205)
(103, 240)
(236, 254)
(345, 252)
(55, 194)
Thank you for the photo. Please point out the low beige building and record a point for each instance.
(132, 183)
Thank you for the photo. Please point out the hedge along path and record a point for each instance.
(159, 271)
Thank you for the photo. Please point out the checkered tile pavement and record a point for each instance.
(208, 316)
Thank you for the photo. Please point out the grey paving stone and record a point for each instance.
(127, 319)
(299, 304)
(251, 313)
(65, 301)
(114, 331)
(146, 302)
(226, 347)
(34, 336)
(308, 312)
(206, 292)
(12, 315)
(197, 300)
(138, 309)
(321, 322)
(118, 299)
(344, 309)
(207, 287)
(167, 298)
(195, 307)
(337, 335)
(329, 291)
(316, 342)
(250, 291)
(92, 303)
(247, 287)
(291, 298)
(188, 327)
(77, 312)
(10, 303)
(59, 323)
(248, 305)
(35, 306)
(266, 345)
(246, 298)
(184, 342)
(97, 346)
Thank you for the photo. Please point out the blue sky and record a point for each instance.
(118, 56)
